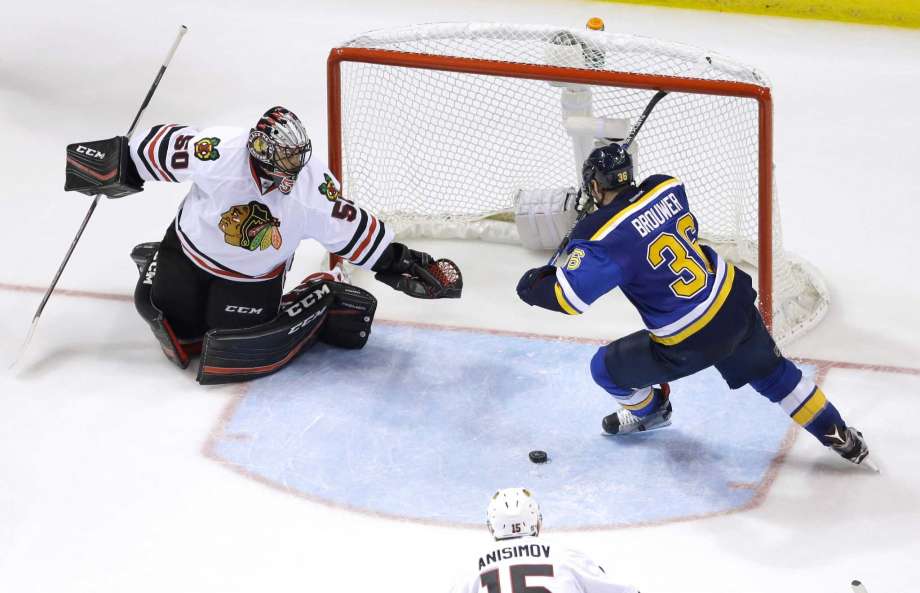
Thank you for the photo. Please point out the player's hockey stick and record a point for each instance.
(92, 207)
(626, 142)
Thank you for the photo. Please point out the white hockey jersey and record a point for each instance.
(536, 564)
(235, 224)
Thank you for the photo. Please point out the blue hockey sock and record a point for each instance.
(638, 401)
(602, 377)
(641, 402)
(802, 400)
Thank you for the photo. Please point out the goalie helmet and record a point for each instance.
(611, 166)
(279, 144)
(513, 512)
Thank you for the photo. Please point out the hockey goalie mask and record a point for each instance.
(513, 512)
(611, 166)
(280, 145)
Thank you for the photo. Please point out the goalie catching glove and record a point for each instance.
(418, 274)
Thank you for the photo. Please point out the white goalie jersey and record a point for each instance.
(528, 564)
(236, 224)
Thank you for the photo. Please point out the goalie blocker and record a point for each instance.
(102, 167)
(318, 309)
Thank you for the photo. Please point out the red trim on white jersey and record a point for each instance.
(151, 151)
(367, 239)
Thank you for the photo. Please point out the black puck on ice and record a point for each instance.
(537, 456)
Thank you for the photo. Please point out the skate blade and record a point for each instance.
(871, 465)
(622, 434)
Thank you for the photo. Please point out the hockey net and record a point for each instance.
(436, 127)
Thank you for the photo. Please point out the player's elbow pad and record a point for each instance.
(102, 167)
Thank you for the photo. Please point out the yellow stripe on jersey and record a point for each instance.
(630, 210)
(563, 302)
(811, 408)
(705, 318)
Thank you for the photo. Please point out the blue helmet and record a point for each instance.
(610, 166)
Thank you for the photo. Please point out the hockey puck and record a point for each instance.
(537, 456)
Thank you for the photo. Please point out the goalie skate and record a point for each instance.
(624, 422)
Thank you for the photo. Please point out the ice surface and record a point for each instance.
(417, 437)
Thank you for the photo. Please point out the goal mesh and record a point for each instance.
(441, 146)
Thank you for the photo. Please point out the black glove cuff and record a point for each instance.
(399, 259)
(394, 253)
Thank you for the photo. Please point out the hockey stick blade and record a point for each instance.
(25, 343)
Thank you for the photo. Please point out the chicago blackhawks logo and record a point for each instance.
(206, 149)
(329, 189)
(250, 226)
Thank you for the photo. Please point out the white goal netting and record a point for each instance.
(440, 148)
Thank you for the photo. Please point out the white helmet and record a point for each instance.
(513, 512)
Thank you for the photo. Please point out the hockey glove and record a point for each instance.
(530, 279)
(417, 274)
(399, 259)
(102, 167)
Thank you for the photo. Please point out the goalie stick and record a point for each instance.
(626, 142)
(92, 207)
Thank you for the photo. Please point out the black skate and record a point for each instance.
(850, 445)
(142, 253)
(624, 422)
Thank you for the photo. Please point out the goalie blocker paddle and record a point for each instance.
(441, 279)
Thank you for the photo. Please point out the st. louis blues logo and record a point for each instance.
(575, 259)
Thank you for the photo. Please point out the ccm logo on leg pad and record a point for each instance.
(242, 309)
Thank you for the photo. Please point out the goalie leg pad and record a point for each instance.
(143, 253)
(233, 355)
(176, 350)
(544, 216)
(348, 324)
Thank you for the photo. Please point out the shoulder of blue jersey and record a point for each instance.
(653, 181)
(588, 227)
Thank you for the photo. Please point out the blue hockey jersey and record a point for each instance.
(646, 243)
